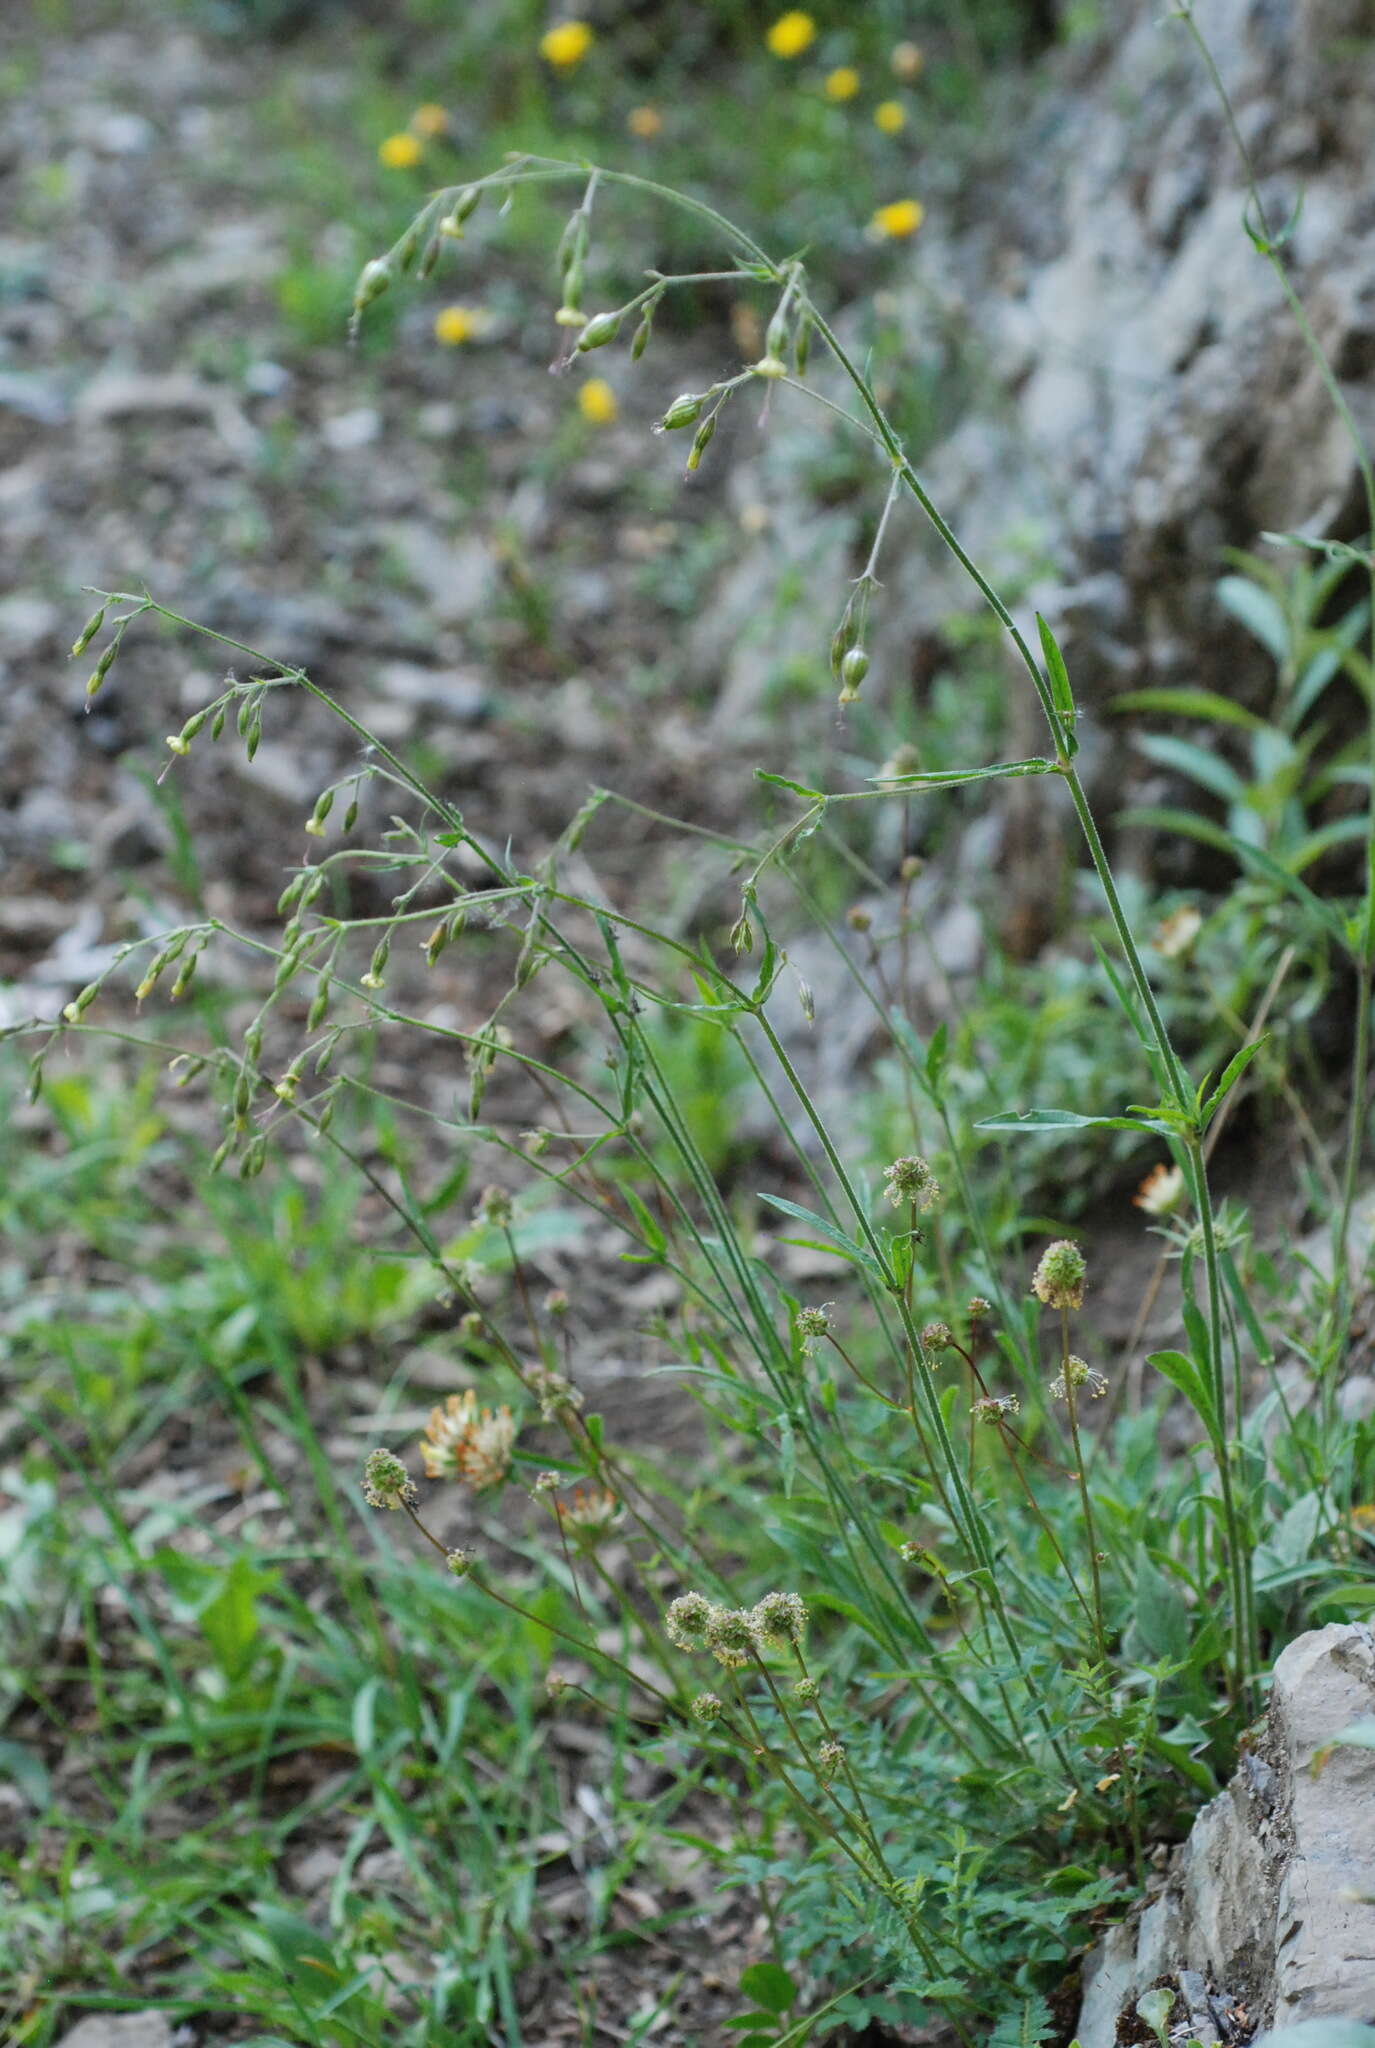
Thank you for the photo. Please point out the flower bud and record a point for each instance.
(465, 203)
(88, 632)
(315, 823)
(640, 340)
(770, 366)
(600, 329)
(373, 280)
(682, 413)
(701, 441)
(854, 667)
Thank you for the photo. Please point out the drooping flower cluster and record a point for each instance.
(995, 1408)
(468, 1443)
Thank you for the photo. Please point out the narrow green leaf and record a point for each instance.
(1231, 1074)
(858, 1254)
(1262, 617)
(1189, 704)
(1068, 1120)
(813, 796)
(1181, 1371)
(1061, 695)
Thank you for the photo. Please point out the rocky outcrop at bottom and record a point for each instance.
(1267, 1916)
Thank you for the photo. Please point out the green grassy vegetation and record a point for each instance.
(923, 1649)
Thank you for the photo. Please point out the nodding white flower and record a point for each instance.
(1078, 1373)
(468, 1443)
(1162, 1191)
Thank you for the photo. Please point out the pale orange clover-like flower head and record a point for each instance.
(468, 1443)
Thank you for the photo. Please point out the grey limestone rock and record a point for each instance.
(1266, 1904)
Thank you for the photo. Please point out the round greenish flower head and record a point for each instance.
(686, 1620)
(995, 1408)
(780, 1618)
(829, 1758)
(911, 1180)
(387, 1483)
(813, 1322)
(937, 1337)
(495, 1206)
(1077, 1374)
(1059, 1279)
(706, 1707)
(459, 1563)
(731, 1636)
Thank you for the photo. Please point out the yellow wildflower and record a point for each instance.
(791, 34)
(455, 324)
(644, 122)
(842, 83)
(399, 152)
(597, 402)
(429, 119)
(897, 220)
(890, 117)
(565, 46)
(907, 61)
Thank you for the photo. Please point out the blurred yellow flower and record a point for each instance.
(907, 61)
(897, 220)
(429, 119)
(791, 34)
(454, 324)
(597, 402)
(890, 118)
(566, 45)
(644, 122)
(843, 83)
(399, 152)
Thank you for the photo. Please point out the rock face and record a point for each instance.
(1165, 405)
(1265, 1906)
(1127, 391)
